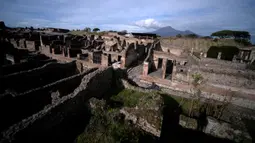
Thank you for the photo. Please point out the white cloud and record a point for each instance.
(149, 23)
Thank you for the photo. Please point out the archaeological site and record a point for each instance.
(56, 86)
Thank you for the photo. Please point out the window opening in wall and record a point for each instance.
(160, 61)
(109, 59)
(169, 69)
(97, 58)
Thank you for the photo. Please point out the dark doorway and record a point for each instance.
(119, 58)
(169, 67)
(228, 52)
(160, 61)
(109, 59)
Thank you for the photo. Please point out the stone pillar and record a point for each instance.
(53, 51)
(78, 56)
(234, 58)
(90, 57)
(63, 51)
(155, 59)
(41, 43)
(104, 60)
(191, 52)
(219, 56)
(145, 68)
(201, 55)
(64, 39)
(123, 62)
(174, 70)
(205, 55)
(68, 52)
(164, 68)
(241, 55)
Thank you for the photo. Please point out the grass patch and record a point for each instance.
(108, 126)
(131, 98)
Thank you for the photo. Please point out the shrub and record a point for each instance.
(197, 78)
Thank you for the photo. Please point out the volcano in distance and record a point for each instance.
(170, 31)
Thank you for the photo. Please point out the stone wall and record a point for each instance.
(225, 73)
(58, 121)
(198, 44)
(131, 57)
(214, 127)
(24, 105)
(30, 45)
(114, 58)
(222, 63)
(25, 80)
(127, 85)
(10, 69)
(228, 80)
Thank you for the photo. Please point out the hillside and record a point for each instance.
(169, 31)
(198, 44)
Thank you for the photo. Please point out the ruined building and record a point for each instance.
(47, 77)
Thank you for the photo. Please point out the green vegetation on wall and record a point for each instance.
(109, 126)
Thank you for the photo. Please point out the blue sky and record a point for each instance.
(200, 16)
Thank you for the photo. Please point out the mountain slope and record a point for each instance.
(169, 31)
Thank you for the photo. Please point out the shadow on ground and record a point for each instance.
(250, 126)
(171, 131)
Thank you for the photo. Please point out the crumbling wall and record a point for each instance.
(9, 69)
(198, 44)
(55, 122)
(23, 81)
(228, 80)
(30, 45)
(15, 108)
(114, 58)
(225, 73)
(222, 63)
(131, 57)
(141, 50)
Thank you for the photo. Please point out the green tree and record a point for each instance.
(32, 28)
(96, 29)
(179, 35)
(191, 36)
(239, 36)
(87, 29)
